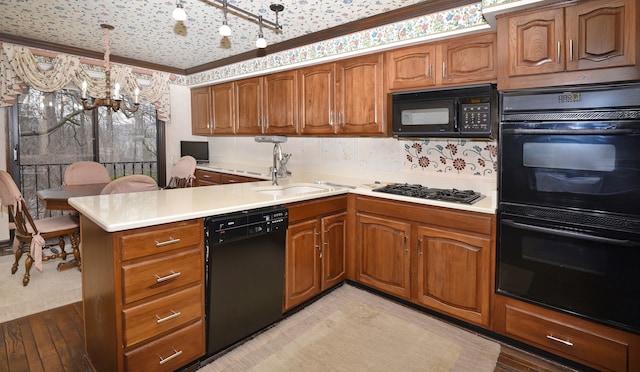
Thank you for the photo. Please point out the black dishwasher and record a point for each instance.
(245, 274)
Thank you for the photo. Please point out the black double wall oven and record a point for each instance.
(569, 203)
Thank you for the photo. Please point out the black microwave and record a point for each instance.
(470, 112)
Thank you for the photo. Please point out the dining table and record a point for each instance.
(57, 198)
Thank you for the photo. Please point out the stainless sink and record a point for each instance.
(293, 189)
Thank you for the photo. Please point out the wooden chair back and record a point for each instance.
(183, 173)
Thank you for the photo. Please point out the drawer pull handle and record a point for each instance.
(174, 314)
(176, 353)
(568, 343)
(167, 242)
(161, 279)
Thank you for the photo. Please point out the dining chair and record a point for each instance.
(130, 183)
(86, 172)
(183, 173)
(31, 235)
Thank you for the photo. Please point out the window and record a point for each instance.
(53, 131)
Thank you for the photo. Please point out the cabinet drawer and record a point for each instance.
(208, 177)
(163, 238)
(170, 352)
(566, 340)
(164, 314)
(151, 277)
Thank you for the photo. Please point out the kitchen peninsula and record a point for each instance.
(143, 259)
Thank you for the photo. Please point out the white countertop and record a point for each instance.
(119, 212)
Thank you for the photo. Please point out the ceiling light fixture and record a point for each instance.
(260, 42)
(225, 30)
(179, 14)
(113, 103)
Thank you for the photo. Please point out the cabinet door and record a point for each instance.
(453, 274)
(302, 276)
(200, 111)
(601, 34)
(534, 44)
(248, 106)
(382, 254)
(317, 99)
(280, 103)
(360, 95)
(222, 114)
(333, 249)
(410, 68)
(468, 59)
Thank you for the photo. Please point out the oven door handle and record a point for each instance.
(608, 131)
(571, 234)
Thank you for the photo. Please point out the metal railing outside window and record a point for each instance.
(34, 177)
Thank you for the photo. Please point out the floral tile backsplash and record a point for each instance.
(454, 156)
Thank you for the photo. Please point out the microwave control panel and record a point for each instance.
(476, 117)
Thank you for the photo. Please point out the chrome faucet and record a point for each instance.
(277, 154)
(277, 157)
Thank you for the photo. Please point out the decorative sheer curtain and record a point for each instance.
(18, 66)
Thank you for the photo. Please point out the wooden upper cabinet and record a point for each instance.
(468, 60)
(317, 99)
(411, 68)
(462, 60)
(248, 106)
(222, 113)
(588, 42)
(601, 34)
(360, 95)
(535, 42)
(345, 97)
(280, 103)
(200, 111)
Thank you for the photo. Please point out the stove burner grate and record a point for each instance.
(423, 192)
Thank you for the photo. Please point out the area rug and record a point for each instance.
(353, 330)
(46, 290)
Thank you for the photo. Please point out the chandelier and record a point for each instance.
(112, 103)
(180, 15)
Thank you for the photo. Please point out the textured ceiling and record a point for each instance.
(145, 31)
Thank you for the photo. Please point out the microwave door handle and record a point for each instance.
(570, 234)
(612, 131)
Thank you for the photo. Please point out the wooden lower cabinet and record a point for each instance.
(434, 257)
(143, 296)
(315, 250)
(209, 178)
(591, 344)
(454, 272)
(383, 254)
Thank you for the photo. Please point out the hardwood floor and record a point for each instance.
(53, 340)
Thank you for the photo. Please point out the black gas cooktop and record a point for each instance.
(423, 192)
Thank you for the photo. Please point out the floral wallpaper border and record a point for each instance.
(432, 24)
(455, 156)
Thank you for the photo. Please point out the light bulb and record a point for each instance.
(225, 30)
(179, 14)
(261, 42)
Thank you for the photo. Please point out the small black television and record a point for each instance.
(198, 149)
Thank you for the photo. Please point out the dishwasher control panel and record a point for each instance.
(240, 225)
